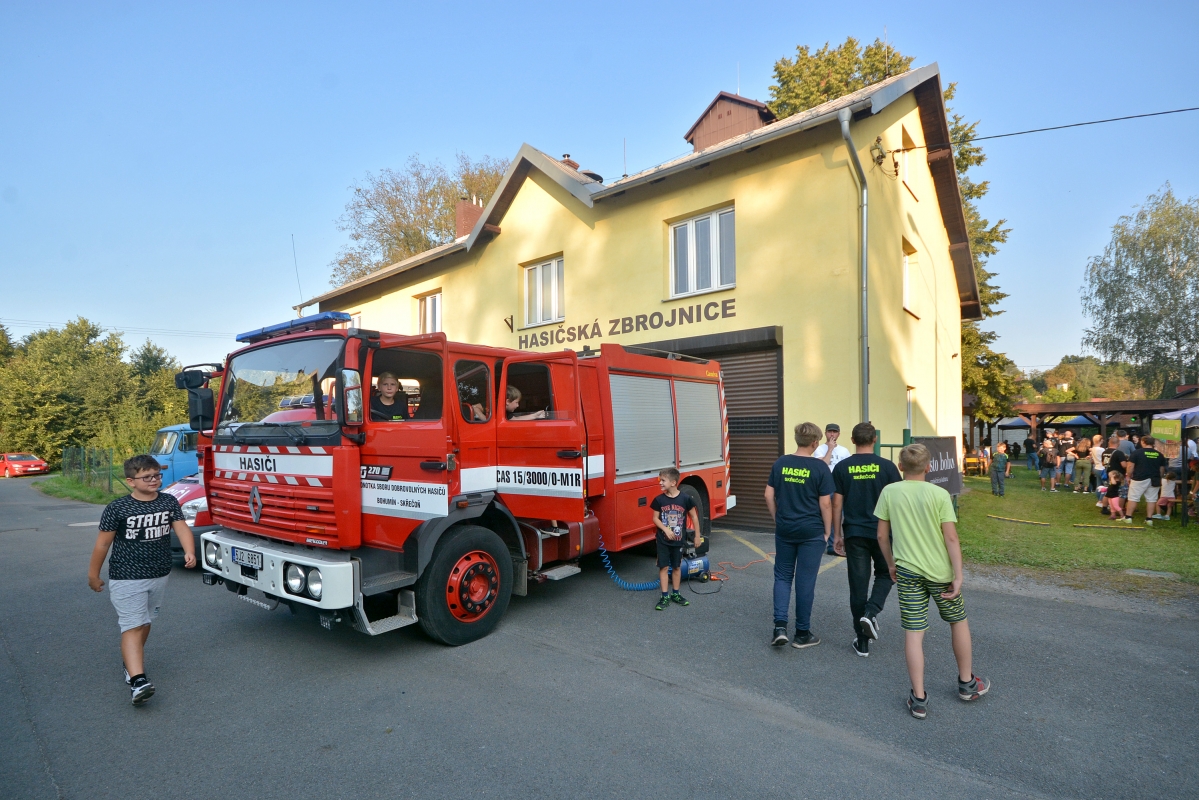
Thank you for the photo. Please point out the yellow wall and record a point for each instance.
(797, 267)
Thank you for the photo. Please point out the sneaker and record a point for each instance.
(128, 680)
(1053, 490)
(663, 604)
(1126, 519)
(1099, 504)
(141, 690)
(918, 707)
(870, 626)
(675, 597)
(803, 640)
(1159, 516)
(780, 636)
(974, 688)
(861, 647)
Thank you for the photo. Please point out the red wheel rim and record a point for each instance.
(473, 586)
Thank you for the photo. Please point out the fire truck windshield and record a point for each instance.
(283, 385)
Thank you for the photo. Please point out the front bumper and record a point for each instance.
(336, 568)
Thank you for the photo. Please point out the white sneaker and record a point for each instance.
(1159, 516)
(128, 680)
(871, 626)
(1099, 504)
(1128, 519)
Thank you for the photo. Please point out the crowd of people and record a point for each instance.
(1121, 471)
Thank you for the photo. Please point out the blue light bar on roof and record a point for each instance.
(317, 322)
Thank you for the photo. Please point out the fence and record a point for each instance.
(91, 466)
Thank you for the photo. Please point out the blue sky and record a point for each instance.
(153, 156)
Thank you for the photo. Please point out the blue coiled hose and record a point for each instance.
(619, 581)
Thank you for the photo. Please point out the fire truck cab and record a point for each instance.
(501, 468)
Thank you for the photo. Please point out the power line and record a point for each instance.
(36, 323)
(1051, 128)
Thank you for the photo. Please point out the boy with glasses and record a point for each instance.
(138, 529)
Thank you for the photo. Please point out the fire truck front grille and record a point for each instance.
(300, 510)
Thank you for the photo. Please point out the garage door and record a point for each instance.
(751, 386)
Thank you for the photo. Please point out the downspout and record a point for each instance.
(844, 115)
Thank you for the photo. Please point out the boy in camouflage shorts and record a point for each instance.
(917, 532)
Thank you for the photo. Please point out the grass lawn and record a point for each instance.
(58, 486)
(1062, 548)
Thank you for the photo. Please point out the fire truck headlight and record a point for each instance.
(294, 576)
(211, 553)
(315, 583)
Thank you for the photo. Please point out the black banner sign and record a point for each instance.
(945, 471)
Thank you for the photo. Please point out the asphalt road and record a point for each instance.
(584, 690)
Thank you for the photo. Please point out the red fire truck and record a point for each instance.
(500, 468)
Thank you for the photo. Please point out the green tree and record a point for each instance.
(59, 387)
(810, 78)
(6, 346)
(1142, 294)
(69, 387)
(150, 358)
(396, 214)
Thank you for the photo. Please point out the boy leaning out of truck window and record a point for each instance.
(672, 509)
(138, 529)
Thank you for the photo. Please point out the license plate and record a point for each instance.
(247, 558)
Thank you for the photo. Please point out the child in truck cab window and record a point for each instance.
(672, 510)
(513, 402)
(390, 404)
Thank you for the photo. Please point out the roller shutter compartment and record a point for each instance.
(643, 426)
(701, 443)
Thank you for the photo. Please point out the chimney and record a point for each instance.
(466, 214)
(568, 161)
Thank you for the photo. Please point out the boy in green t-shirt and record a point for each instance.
(917, 532)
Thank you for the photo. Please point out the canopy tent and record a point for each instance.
(1013, 423)
(1189, 416)
(1077, 422)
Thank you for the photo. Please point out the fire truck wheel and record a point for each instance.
(705, 518)
(466, 587)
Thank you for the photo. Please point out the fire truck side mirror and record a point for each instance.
(200, 408)
(351, 390)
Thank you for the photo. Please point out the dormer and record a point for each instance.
(727, 116)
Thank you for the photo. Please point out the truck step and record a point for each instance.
(387, 581)
(386, 624)
(560, 572)
(406, 616)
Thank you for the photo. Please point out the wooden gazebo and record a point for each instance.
(1101, 413)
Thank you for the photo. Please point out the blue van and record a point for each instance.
(175, 449)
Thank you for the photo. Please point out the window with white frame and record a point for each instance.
(703, 254)
(545, 292)
(430, 313)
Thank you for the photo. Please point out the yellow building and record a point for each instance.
(748, 250)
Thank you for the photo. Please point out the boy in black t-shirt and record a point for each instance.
(859, 480)
(799, 497)
(138, 529)
(672, 509)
